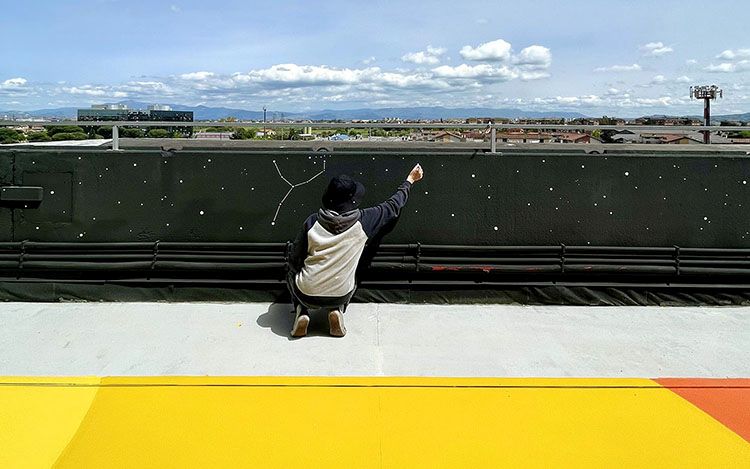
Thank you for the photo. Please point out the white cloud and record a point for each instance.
(530, 76)
(94, 91)
(497, 50)
(369, 60)
(431, 56)
(304, 75)
(198, 76)
(535, 57)
(734, 54)
(619, 68)
(658, 79)
(683, 79)
(655, 49)
(475, 71)
(727, 67)
(11, 83)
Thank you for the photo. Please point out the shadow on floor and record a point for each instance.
(280, 318)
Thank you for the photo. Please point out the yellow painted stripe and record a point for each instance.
(359, 422)
(38, 422)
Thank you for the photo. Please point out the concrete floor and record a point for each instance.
(129, 339)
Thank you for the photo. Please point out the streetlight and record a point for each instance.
(264, 122)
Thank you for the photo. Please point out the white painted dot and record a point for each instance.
(118, 202)
(100, 175)
(209, 160)
(659, 177)
(426, 192)
(222, 188)
(473, 175)
(551, 188)
(518, 171)
(489, 196)
(144, 181)
(273, 223)
(79, 157)
(93, 218)
(80, 235)
(167, 224)
(495, 228)
(252, 188)
(201, 212)
(744, 182)
(583, 166)
(453, 214)
(180, 181)
(604, 196)
(135, 164)
(544, 161)
(37, 227)
(386, 170)
(705, 218)
(529, 204)
(51, 192)
(610, 213)
(595, 204)
(627, 173)
(241, 228)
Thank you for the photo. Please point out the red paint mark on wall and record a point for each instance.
(726, 400)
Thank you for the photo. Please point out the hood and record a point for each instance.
(336, 223)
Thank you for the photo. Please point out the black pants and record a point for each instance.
(316, 302)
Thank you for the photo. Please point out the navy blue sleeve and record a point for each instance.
(374, 219)
(299, 245)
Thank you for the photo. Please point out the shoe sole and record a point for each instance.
(300, 326)
(336, 324)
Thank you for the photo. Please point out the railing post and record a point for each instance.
(115, 138)
(493, 144)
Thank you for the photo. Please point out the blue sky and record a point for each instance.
(596, 57)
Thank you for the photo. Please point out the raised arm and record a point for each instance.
(381, 215)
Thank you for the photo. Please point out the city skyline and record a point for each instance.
(624, 60)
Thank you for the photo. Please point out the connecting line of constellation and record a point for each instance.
(292, 187)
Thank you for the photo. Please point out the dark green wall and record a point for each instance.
(466, 197)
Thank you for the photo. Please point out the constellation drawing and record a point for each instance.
(292, 187)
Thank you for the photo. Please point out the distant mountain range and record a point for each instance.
(206, 113)
(411, 113)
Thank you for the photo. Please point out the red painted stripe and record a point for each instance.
(726, 400)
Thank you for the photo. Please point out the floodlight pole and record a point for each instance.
(706, 93)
